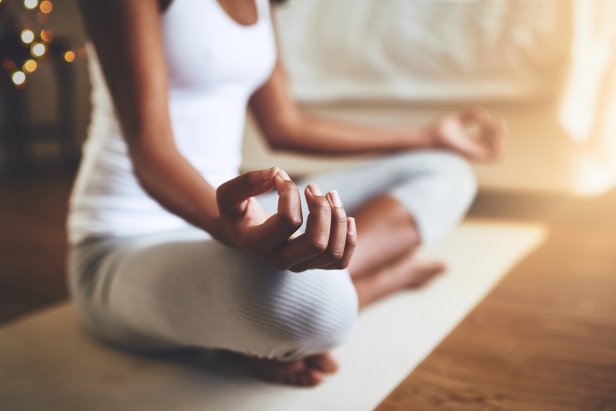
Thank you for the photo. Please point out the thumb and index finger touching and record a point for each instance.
(233, 196)
(487, 133)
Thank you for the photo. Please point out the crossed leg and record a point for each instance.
(183, 289)
(383, 264)
(384, 261)
(398, 203)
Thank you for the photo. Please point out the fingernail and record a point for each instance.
(351, 225)
(270, 173)
(314, 189)
(283, 174)
(335, 198)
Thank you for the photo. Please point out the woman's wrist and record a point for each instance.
(419, 138)
(215, 227)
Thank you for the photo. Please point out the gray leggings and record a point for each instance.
(184, 289)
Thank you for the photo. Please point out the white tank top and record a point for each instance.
(214, 65)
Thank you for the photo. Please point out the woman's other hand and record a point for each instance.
(330, 236)
(475, 134)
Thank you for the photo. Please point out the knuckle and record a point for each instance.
(318, 244)
(335, 254)
(289, 185)
(254, 178)
(351, 242)
(339, 213)
(321, 203)
(292, 220)
(340, 220)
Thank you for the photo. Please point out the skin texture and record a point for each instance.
(376, 245)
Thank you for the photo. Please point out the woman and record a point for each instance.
(170, 247)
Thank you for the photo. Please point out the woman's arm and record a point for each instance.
(286, 127)
(127, 37)
(474, 133)
(128, 42)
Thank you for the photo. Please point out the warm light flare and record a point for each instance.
(594, 177)
(46, 7)
(69, 56)
(30, 66)
(46, 35)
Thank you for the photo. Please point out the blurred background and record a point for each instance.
(547, 66)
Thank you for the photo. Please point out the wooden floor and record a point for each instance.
(544, 339)
(32, 241)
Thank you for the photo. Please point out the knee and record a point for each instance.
(315, 314)
(460, 175)
(446, 175)
(437, 187)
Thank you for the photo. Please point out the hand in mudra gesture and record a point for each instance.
(476, 134)
(330, 236)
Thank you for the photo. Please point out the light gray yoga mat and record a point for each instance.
(47, 361)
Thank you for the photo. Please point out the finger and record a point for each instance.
(486, 120)
(476, 114)
(279, 227)
(316, 238)
(479, 117)
(337, 237)
(232, 195)
(349, 246)
(468, 140)
(493, 136)
(483, 143)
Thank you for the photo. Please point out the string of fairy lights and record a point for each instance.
(36, 40)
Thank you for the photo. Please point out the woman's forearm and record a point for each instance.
(286, 127)
(175, 184)
(311, 134)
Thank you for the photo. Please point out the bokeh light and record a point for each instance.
(30, 66)
(30, 4)
(69, 56)
(38, 49)
(46, 7)
(46, 35)
(27, 36)
(18, 78)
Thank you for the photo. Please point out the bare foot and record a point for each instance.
(409, 272)
(304, 372)
(417, 273)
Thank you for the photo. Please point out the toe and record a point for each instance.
(310, 378)
(323, 362)
(425, 272)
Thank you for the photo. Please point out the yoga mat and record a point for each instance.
(47, 360)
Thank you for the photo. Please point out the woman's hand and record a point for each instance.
(476, 134)
(330, 237)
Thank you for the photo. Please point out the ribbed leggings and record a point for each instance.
(184, 289)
